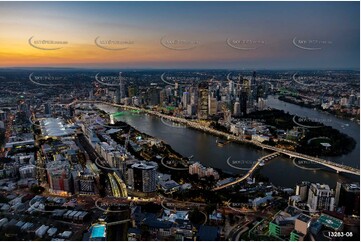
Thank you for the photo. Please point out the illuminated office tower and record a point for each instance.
(185, 99)
(244, 98)
(121, 87)
(203, 100)
(212, 105)
(237, 109)
(142, 176)
(321, 197)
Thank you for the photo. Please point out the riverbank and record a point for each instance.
(203, 147)
(154, 149)
(307, 133)
(287, 99)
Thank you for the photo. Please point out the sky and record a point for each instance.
(183, 35)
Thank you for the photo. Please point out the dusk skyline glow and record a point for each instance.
(266, 33)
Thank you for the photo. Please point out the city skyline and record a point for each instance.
(240, 35)
(180, 121)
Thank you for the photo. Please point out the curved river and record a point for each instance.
(203, 147)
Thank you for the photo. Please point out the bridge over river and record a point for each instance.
(194, 124)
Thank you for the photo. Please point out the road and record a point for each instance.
(249, 173)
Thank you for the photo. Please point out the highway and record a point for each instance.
(114, 185)
(115, 181)
(121, 184)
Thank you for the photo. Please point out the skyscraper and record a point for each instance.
(212, 105)
(153, 96)
(348, 197)
(121, 88)
(142, 176)
(47, 109)
(244, 98)
(236, 109)
(320, 197)
(203, 100)
(185, 99)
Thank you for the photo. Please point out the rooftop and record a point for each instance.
(145, 165)
(55, 127)
(304, 218)
(330, 222)
(98, 231)
(353, 187)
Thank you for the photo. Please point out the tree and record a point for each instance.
(196, 217)
(36, 189)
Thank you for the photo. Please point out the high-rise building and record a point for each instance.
(191, 109)
(60, 181)
(194, 97)
(142, 177)
(302, 190)
(47, 109)
(231, 88)
(245, 94)
(201, 171)
(261, 105)
(227, 116)
(3, 115)
(302, 225)
(185, 99)
(321, 197)
(153, 96)
(237, 109)
(163, 98)
(132, 91)
(203, 100)
(212, 105)
(344, 101)
(281, 225)
(59, 177)
(121, 86)
(348, 197)
(83, 183)
(28, 171)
